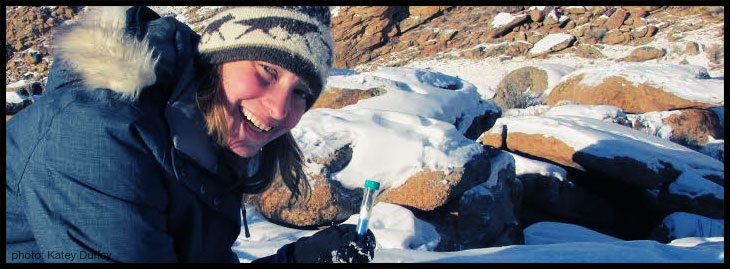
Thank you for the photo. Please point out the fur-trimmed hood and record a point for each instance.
(99, 49)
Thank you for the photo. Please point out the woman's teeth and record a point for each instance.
(256, 123)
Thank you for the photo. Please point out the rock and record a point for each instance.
(488, 213)
(644, 54)
(336, 98)
(328, 203)
(617, 153)
(427, 190)
(715, 149)
(694, 192)
(575, 10)
(419, 15)
(360, 30)
(693, 127)
(600, 112)
(634, 90)
(613, 37)
(547, 189)
(616, 19)
(552, 43)
(692, 48)
(681, 225)
(329, 200)
(536, 15)
(504, 22)
(521, 88)
(588, 51)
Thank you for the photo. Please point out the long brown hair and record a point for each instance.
(281, 159)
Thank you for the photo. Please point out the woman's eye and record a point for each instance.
(301, 93)
(269, 70)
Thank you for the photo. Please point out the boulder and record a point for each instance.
(692, 48)
(644, 54)
(552, 43)
(550, 194)
(692, 128)
(575, 10)
(613, 37)
(336, 98)
(588, 51)
(616, 152)
(503, 22)
(488, 213)
(521, 88)
(681, 225)
(617, 19)
(427, 190)
(328, 201)
(695, 191)
(640, 87)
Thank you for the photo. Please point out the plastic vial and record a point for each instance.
(368, 198)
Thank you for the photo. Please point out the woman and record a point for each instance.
(149, 135)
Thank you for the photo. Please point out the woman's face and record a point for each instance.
(263, 101)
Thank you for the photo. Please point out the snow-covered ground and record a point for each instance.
(402, 238)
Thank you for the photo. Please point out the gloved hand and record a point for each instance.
(336, 244)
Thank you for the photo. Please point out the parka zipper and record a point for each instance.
(245, 223)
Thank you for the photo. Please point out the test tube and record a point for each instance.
(368, 198)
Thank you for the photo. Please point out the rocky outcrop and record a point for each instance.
(336, 98)
(633, 90)
(327, 202)
(489, 212)
(359, 30)
(651, 167)
(427, 190)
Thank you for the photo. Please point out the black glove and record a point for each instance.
(335, 244)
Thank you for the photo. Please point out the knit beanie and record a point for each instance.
(296, 38)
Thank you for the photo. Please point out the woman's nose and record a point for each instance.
(277, 102)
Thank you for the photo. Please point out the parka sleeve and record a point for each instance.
(94, 192)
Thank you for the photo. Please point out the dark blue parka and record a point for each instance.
(113, 163)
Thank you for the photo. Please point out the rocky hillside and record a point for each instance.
(368, 37)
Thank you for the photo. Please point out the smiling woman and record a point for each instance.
(150, 134)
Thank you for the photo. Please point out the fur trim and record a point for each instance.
(98, 48)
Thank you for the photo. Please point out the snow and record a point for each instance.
(502, 19)
(599, 112)
(686, 225)
(692, 185)
(687, 82)
(524, 166)
(13, 97)
(415, 117)
(399, 228)
(653, 122)
(549, 41)
(549, 242)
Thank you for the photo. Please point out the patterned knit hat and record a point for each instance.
(296, 38)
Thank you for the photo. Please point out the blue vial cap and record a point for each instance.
(373, 185)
